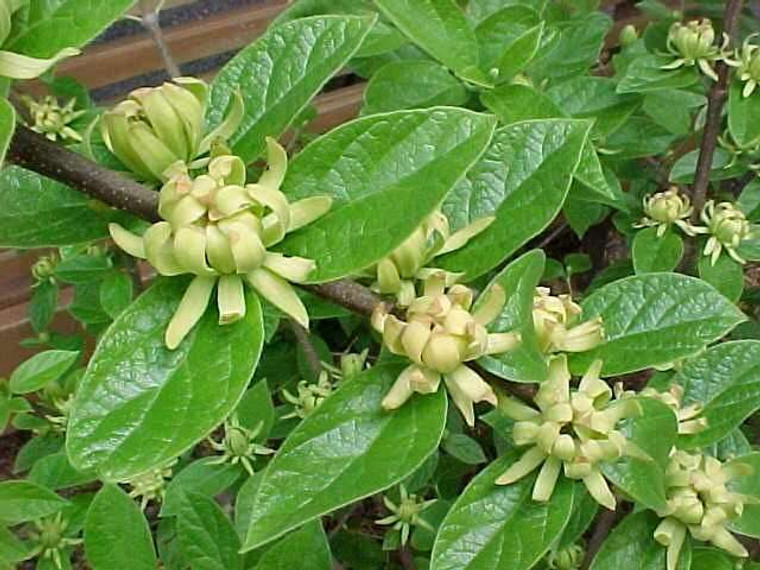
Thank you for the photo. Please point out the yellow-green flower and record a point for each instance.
(157, 127)
(553, 319)
(728, 227)
(151, 485)
(396, 273)
(749, 65)
(48, 540)
(570, 430)
(218, 228)
(308, 396)
(239, 445)
(700, 502)
(693, 44)
(690, 419)
(439, 335)
(663, 209)
(406, 514)
(52, 120)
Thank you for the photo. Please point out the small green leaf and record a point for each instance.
(204, 477)
(256, 409)
(40, 369)
(514, 103)
(56, 472)
(22, 501)
(438, 27)
(527, 169)
(585, 509)
(306, 548)
(725, 380)
(116, 534)
(347, 449)
(684, 168)
(206, 536)
(743, 116)
(43, 305)
(386, 174)
(7, 127)
(140, 404)
(749, 200)
(280, 73)
(654, 319)
(82, 268)
(654, 432)
(645, 74)
(116, 293)
(464, 448)
(652, 253)
(633, 540)
(712, 559)
(518, 54)
(727, 275)
(12, 550)
(749, 522)
(497, 33)
(492, 526)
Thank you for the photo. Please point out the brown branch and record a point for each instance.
(34, 152)
(348, 294)
(150, 22)
(307, 347)
(603, 525)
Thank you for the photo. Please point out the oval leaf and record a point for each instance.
(348, 449)
(652, 253)
(523, 180)
(206, 536)
(22, 501)
(116, 534)
(40, 369)
(305, 548)
(655, 319)
(140, 404)
(492, 527)
(749, 523)
(385, 173)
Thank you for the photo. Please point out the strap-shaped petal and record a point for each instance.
(277, 165)
(467, 387)
(400, 392)
(305, 211)
(190, 110)
(388, 279)
(18, 66)
(164, 120)
(228, 201)
(392, 330)
(529, 461)
(126, 240)
(491, 307)
(190, 310)
(151, 150)
(599, 489)
(278, 204)
(114, 128)
(184, 212)
(176, 188)
(159, 249)
(547, 479)
(197, 87)
(459, 239)
(218, 250)
(293, 269)
(230, 299)
(414, 338)
(279, 292)
(228, 126)
(245, 244)
(190, 250)
(228, 169)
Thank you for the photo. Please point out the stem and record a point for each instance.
(602, 526)
(151, 23)
(348, 294)
(309, 352)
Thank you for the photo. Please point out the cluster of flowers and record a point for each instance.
(724, 222)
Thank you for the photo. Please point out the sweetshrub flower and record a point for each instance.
(49, 540)
(240, 445)
(151, 485)
(439, 335)
(553, 321)
(570, 430)
(689, 420)
(693, 44)
(396, 273)
(406, 514)
(308, 396)
(728, 227)
(218, 229)
(663, 209)
(699, 501)
(748, 63)
(53, 120)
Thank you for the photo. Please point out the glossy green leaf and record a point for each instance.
(711, 559)
(725, 379)
(749, 522)
(585, 509)
(596, 183)
(497, 33)
(256, 410)
(513, 103)
(55, 472)
(349, 448)
(723, 167)
(518, 54)
(749, 200)
(116, 292)
(492, 526)
(743, 116)
(652, 253)
(519, 279)
(116, 534)
(140, 404)
(654, 319)
(82, 268)
(56, 216)
(645, 74)
(727, 275)
(7, 126)
(438, 26)
(52, 26)
(22, 501)
(43, 305)
(280, 73)
(206, 536)
(654, 432)
(463, 448)
(205, 476)
(386, 174)
(522, 180)
(305, 548)
(12, 550)
(673, 108)
(44, 367)
(632, 540)
(412, 85)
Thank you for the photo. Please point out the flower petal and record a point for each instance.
(230, 299)
(190, 310)
(280, 293)
(126, 240)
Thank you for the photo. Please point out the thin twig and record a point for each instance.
(602, 526)
(307, 347)
(152, 23)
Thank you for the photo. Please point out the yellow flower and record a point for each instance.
(218, 229)
(749, 65)
(52, 120)
(439, 335)
(728, 227)
(552, 319)
(693, 44)
(663, 209)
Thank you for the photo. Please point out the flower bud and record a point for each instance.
(749, 66)
(54, 121)
(728, 227)
(628, 35)
(693, 44)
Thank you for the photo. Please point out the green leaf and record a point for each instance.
(44, 367)
(116, 292)
(721, 169)
(52, 26)
(518, 54)
(386, 174)
(57, 216)
(513, 103)
(585, 509)
(645, 74)
(257, 410)
(464, 448)
(638, 137)
(280, 73)
(140, 404)
(633, 539)
(522, 180)
(712, 559)
(206, 536)
(412, 85)
(56, 472)
(673, 109)
(347, 449)
(654, 432)
(743, 116)
(591, 175)
(7, 127)
(204, 477)
(438, 26)
(749, 522)
(35, 449)
(525, 363)
(492, 527)
(749, 200)
(497, 33)
(725, 379)
(43, 305)
(652, 253)
(305, 548)
(12, 550)
(116, 534)
(727, 276)
(655, 319)
(22, 501)
(82, 268)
